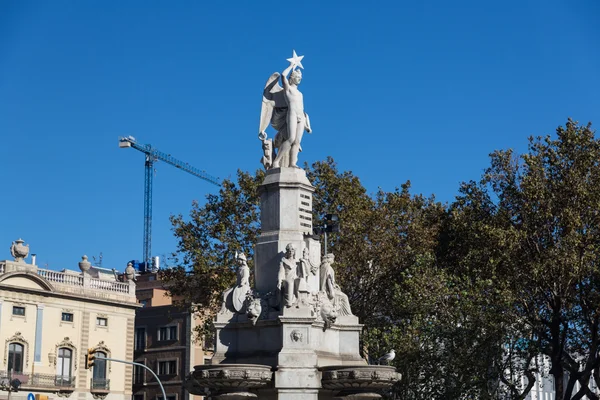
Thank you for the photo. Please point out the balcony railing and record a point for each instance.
(99, 385)
(71, 280)
(77, 280)
(39, 381)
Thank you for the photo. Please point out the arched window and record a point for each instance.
(99, 380)
(64, 365)
(15, 357)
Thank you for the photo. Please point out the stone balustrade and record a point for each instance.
(76, 283)
(60, 277)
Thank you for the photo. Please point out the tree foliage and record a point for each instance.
(531, 226)
(207, 242)
(469, 294)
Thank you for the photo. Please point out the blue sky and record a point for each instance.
(396, 91)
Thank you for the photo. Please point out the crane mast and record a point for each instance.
(153, 155)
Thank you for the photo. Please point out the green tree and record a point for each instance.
(386, 262)
(207, 242)
(531, 226)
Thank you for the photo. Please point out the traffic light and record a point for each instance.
(332, 223)
(90, 357)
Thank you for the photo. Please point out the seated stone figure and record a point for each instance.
(331, 288)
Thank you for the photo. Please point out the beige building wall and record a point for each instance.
(103, 314)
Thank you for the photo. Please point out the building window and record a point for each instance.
(209, 342)
(138, 397)
(67, 317)
(15, 357)
(167, 333)
(101, 321)
(140, 338)
(99, 380)
(20, 311)
(64, 365)
(167, 367)
(138, 374)
(169, 397)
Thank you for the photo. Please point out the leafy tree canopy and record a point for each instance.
(469, 294)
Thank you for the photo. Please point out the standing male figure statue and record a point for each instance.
(283, 107)
(287, 276)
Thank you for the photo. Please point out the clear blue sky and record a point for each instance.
(396, 90)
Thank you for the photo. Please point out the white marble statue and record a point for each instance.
(254, 308)
(243, 282)
(287, 276)
(283, 107)
(328, 285)
(267, 158)
(306, 264)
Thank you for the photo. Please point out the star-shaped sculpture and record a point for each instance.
(296, 59)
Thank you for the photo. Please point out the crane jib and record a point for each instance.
(151, 156)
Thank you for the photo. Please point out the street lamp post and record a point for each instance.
(331, 223)
(91, 357)
(140, 365)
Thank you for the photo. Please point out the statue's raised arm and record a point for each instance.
(283, 108)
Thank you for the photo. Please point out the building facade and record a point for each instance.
(164, 341)
(49, 320)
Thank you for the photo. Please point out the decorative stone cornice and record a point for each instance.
(297, 320)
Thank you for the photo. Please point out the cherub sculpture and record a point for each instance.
(283, 108)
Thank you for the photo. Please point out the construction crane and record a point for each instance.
(153, 155)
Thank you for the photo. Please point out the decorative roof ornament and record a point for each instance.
(130, 272)
(19, 251)
(84, 264)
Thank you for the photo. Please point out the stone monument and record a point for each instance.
(293, 336)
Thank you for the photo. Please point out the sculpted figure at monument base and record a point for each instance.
(234, 298)
(328, 285)
(287, 276)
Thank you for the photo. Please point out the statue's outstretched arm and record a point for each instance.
(284, 74)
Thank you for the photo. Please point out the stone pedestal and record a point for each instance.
(286, 217)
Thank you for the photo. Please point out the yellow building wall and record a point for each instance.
(83, 333)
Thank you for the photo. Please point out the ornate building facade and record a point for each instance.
(49, 320)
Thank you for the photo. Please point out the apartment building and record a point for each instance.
(49, 320)
(164, 341)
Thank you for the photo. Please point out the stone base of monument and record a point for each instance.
(292, 336)
(228, 381)
(358, 381)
